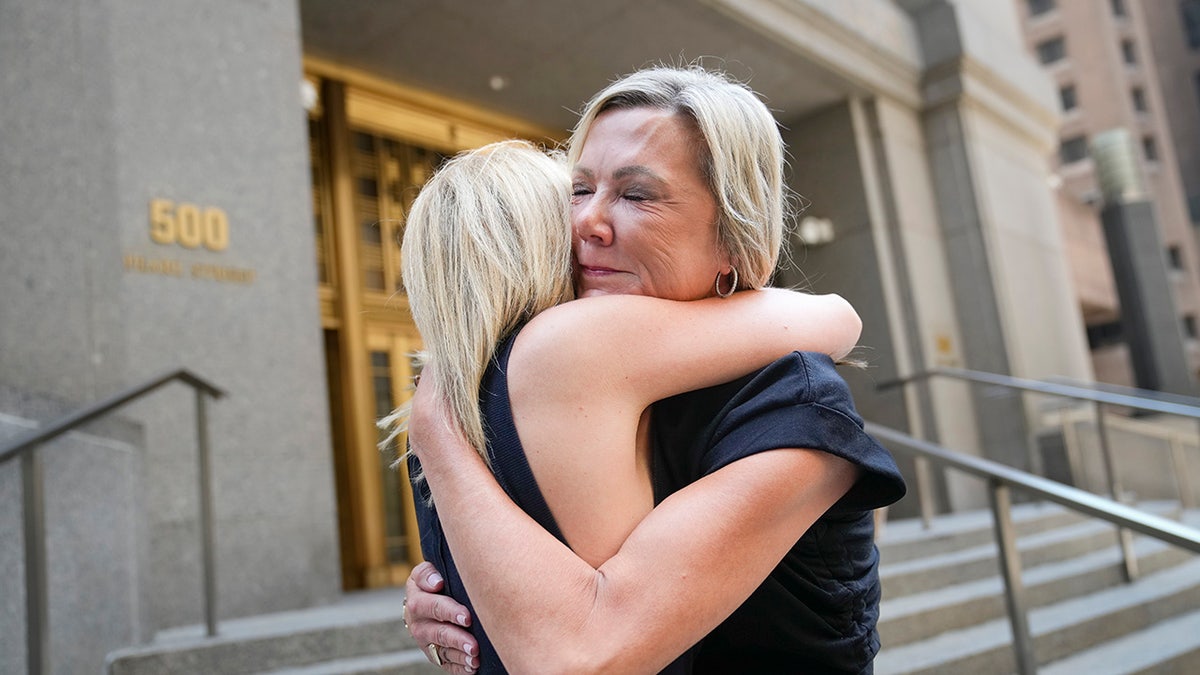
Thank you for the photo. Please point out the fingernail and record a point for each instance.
(470, 669)
(435, 578)
(469, 649)
(461, 620)
(470, 662)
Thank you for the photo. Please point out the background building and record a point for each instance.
(1124, 65)
(221, 186)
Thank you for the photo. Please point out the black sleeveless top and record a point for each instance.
(817, 611)
(512, 472)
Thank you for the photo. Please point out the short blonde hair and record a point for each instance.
(487, 245)
(742, 156)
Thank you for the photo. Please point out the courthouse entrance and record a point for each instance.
(373, 144)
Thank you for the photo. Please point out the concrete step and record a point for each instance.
(979, 562)
(921, 616)
(407, 662)
(1059, 630)
(908, 539)
(367, 624)
(1168, 647)
(969, 553)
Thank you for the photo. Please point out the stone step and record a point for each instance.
(1059, 630)
(1167, 647)
(965, 560)
(923, 615)
(908, 539)
(363, 624)
(407, 662)
(979, 562)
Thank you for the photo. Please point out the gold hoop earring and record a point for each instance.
(732, 286)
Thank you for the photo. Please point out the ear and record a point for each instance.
(725, 262)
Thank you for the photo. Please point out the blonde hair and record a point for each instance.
(741, 157)
(487, 245)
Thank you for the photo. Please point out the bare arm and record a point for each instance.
(690, 563)
(651, 348)
(619, 354)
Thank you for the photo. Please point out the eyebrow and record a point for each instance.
(625, 172)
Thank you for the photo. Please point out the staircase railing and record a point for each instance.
(1001, 480)
(1100, 396)
(33, 510)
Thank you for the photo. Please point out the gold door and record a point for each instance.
(392, 370)
(373, 145)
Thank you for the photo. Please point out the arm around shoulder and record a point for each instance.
(658, 348)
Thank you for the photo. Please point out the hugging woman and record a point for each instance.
(622, 531)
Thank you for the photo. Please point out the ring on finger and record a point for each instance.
(433, 654)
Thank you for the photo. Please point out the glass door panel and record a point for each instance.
(391, 382)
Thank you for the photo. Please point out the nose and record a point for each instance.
(591, 222)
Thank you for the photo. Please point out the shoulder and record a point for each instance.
(568, 344)
(586, 331)
(801, 401)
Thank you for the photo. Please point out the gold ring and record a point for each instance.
(433, 654)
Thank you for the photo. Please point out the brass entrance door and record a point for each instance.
(373, 145)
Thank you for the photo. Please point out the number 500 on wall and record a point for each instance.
(188, 225)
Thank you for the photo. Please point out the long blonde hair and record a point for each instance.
(487, 245)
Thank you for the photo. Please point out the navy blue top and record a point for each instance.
(817, 611)
(512, 471)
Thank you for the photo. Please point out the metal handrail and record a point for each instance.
(1104, 396)
(1129, 391)
(24, 448)
(1001, 479)
(1100, 396)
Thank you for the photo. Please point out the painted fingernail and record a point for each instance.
(469, 649)
(470, 662)
(461, 619)
(435, 578)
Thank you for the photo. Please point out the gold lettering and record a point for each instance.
(143, 265)
(235, 275)
(162, 221)
(187, 225)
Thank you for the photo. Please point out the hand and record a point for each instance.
(437, 619)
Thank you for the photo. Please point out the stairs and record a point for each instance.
(943, 611)
(363, 634)
(944, 608)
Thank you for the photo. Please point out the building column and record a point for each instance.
(1149, 318)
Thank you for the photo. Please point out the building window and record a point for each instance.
(1196, 81)
(1128, 53)
(1175, 257)
(1066, 94)
(1139, 99)
(1118, 8)
(1052, 50)
(1037, 7)
(1191, 21)
(1073, 149)
(1150, 148)
(1189, 326)
(1105, 334)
